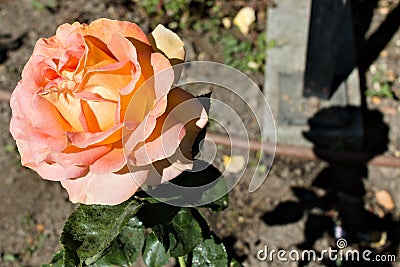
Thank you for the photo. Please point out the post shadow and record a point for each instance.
(342, 207)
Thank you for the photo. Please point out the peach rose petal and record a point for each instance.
(23, 129)
(85, 139)
(63, 31)
(163, 75)
(123, 50)
(98, 54)
(142, 101)
(104, 29)
(167, 169)
(31, 154)
(104, 189)
(186, 108)
(143, 93)
(104, 113)
(68, 105)
(162, 143)
(42, 114)
(189, 111)
(141, 132)
(82, 87)
(111, 162)
(56, 172)
(76, 156)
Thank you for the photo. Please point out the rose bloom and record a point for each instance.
(95, 110)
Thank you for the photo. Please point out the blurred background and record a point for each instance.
(307, 202)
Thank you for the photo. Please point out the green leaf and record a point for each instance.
(176, 228)
(185, 233)
(115, 257)
(126, 247)
(210, 253)
(132, 239)
(90, 230)
(154, 254)
(234, 263)
(218, 189)
(57, 260)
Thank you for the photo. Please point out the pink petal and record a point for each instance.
(55, 172)
(104, 189)
(161, 144)
(77, 156)
(123, 50)
(167, 169)
(25, 103)
(105, 28)
(110, 162)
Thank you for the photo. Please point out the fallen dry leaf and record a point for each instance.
(234, 164)
(375, 100)
(244, 18)
(384, 199)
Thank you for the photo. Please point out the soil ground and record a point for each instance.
(300, 204)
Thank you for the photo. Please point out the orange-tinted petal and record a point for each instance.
(162, 142)
(105, 28)
(85, 139)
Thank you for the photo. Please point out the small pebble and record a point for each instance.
(391, 76)
(227, 22)
(40, 227)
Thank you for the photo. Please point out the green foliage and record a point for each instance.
(41, 5)
(173, 9)
(90, 230)
(57, 260)
(382, 87)
(103, 236)
(154, 253)
(244, 55)
(175, 235)
(149, 6)
(8, 258)
(384, 90)
(210, 252)
(116, 235)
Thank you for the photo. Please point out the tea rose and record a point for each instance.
(95, 110)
